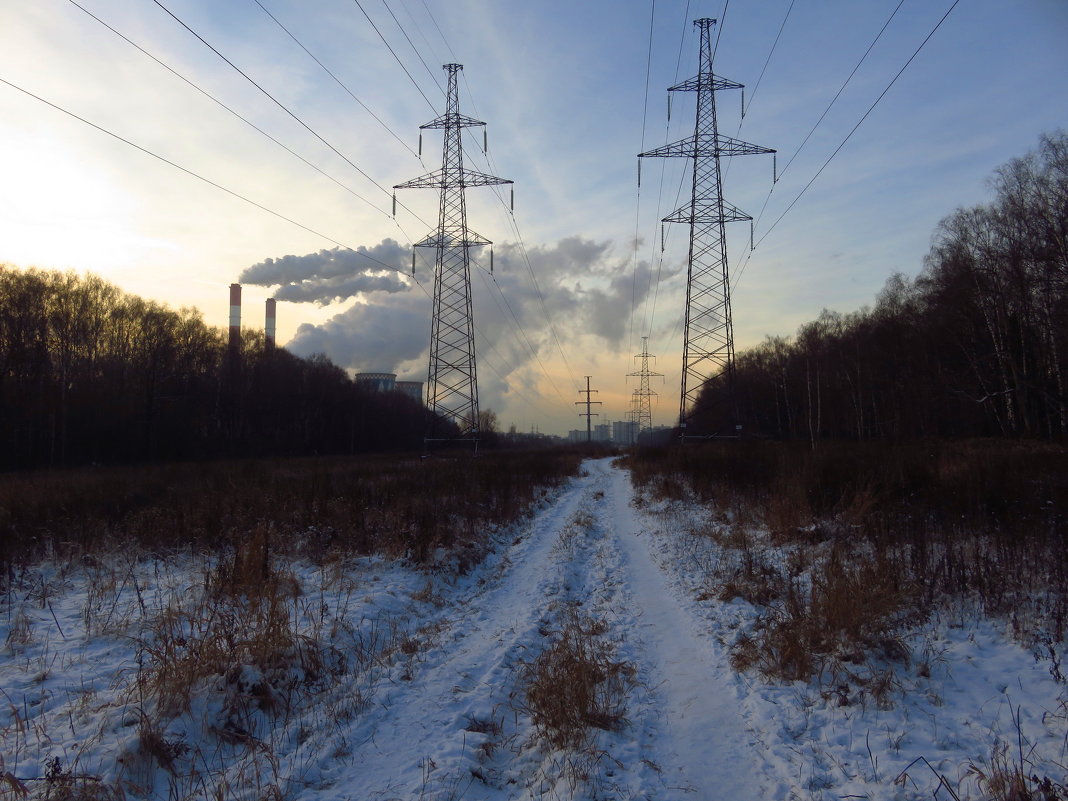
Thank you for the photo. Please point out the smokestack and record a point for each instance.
(235, 315)
(271, 324)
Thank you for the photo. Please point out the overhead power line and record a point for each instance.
(638, 199)
(337, 80)
(223, 105)
(488, 278)
(194, 174)
(275, 100)
(808, 136)
(841, 89)
(860, 121)
(430, 14)
(394, 52)
(719, 32)
(415, 49)
(767, 61)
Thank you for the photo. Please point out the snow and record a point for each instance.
(425, 696)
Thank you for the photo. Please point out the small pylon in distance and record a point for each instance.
(643, 396)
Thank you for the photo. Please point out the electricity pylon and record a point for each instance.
(642, 397)
(588, 403)
(708, 336)
(452, 386)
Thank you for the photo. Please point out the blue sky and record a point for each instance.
(562, 87)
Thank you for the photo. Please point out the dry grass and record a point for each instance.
(828, 621)
(195, 564)
(576, 685)
(246, 615)
(423, 509)
(857, 541)
(63, 784)
(1012, 775)
(20, 634)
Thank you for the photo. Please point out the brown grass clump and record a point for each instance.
(575, 685)
(246, 616)
(1012, 776)
(847, 609)
(863, 538)
(395, 505)
(62, 784)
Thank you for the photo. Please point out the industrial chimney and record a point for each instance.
(235, 315)
(271, 324)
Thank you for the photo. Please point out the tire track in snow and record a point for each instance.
(685, 739)
(418, 741)
(690, 726)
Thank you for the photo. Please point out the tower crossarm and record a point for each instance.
(713, 82)
(707, 212)
(697, 146)
(449, 180)
(436, 239)
(453, 120)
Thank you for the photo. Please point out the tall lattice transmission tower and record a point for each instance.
(708, 335)
(452, 386)
(642, 398)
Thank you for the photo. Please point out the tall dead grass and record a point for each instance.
(576, 685)
(869, 537)
(398, 506)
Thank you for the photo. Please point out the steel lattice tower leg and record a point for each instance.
(708, 335)
(642, 397)
(452, 386)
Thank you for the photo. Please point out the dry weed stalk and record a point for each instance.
(1015, 777)
(865, 538)
(576, 685)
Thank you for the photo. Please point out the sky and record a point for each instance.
(302, 152)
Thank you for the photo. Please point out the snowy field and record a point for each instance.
(128, 675)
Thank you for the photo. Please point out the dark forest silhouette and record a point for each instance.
(974, 346)
(90, 374)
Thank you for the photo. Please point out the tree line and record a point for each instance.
(973, 346)
(90, 374)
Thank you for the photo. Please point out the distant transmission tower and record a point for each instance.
(642, 397)
(708, 337)
(588, 403)
(452, 386)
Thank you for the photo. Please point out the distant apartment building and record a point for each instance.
(625, 432)
(598, 433)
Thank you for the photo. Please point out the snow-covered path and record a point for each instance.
(424, 733)
(421, 691)
(455, 728)
(705, 744)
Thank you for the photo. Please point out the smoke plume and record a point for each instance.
(583, 300)
(333, 275)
